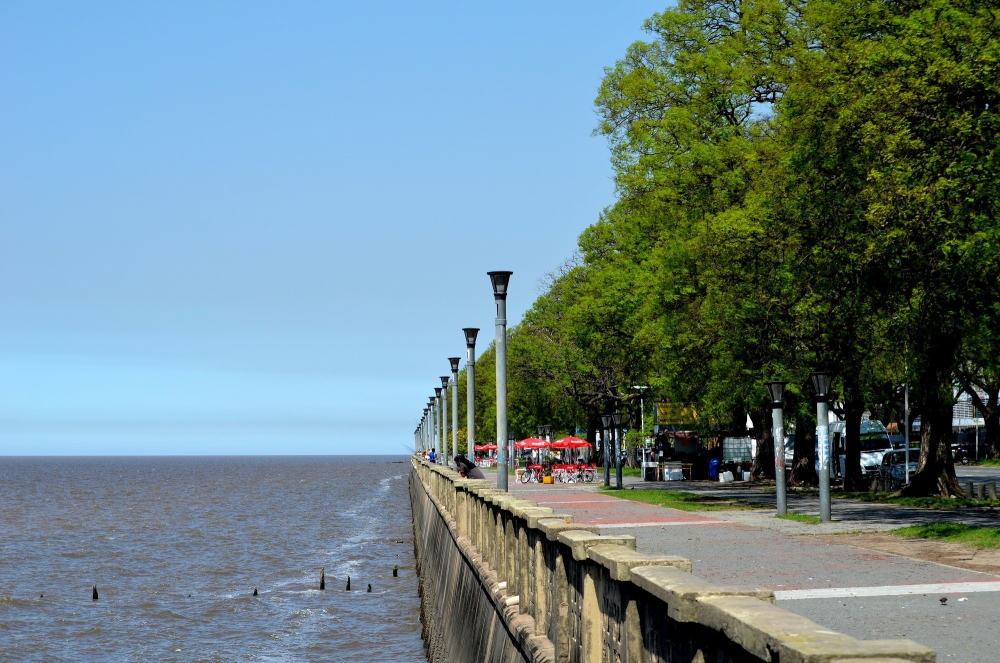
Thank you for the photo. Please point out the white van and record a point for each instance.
(875, 443)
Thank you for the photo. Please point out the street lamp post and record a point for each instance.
(821, 383)
(429, 425)
(776, 391)
(906, 433)
(641, 388)
(454, 405)
(470, 386)
(616, 418)
(445, 379)
(500, 279)
(605, 432)
(437, 425)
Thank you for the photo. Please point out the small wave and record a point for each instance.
(15, 602)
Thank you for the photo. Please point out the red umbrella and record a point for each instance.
(485, 447)
(571, 443)
(532, 443)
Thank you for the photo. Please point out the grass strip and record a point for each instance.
(977, 537)
(922, 502)
(800, 518)
(676, 499)
(988, 462)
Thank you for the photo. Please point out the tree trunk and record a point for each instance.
(632, 457)
(595, 438)
(763, 464)
(803, 471)
(992, 426)
(853, 477)
(935, 467)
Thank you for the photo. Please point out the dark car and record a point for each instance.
(893, 467)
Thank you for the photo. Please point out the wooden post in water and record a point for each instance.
(322, 578)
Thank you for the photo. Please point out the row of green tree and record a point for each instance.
(801, 185)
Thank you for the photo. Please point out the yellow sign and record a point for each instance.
(676, 414)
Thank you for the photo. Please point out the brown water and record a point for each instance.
(177, 545)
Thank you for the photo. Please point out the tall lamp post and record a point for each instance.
(445, 379)
(605, 433)
(500, 279)
(470, 386)
(906, 433)
(420, 431)
(429, 426)
(821, 383)
(641, 388)
(616, 418)
(437, 425)
(776, 391)
(454, 405)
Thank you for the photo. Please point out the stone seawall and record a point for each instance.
(503, 580)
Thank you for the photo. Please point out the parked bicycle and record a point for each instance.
(531, 474)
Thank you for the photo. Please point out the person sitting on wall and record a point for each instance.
(430, 456)
(467, 468)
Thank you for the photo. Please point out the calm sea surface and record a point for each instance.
(176, 547)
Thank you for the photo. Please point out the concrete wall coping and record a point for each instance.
(681, 591)
(579, 542)
(619, 560)
(532, 515)
(553, 525)
(518, 506)
(762, 628)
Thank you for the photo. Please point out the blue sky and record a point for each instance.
(260, 227)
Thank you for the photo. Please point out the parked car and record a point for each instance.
(893, 467)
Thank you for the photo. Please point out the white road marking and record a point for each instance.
(888, 590)
(663, 524)
(609, 500)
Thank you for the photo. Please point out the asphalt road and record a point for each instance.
(977, 474)
(728, 551)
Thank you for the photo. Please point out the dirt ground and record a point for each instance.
(952, 554)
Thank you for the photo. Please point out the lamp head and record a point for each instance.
(470, 335)
(821, 383)
(437, 392)
(617, 419)
(776, 390)
(500, 280)
(541, 430)
(606, 420)
(444, 381)
(454, 363)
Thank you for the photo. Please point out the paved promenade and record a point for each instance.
(861, 592)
